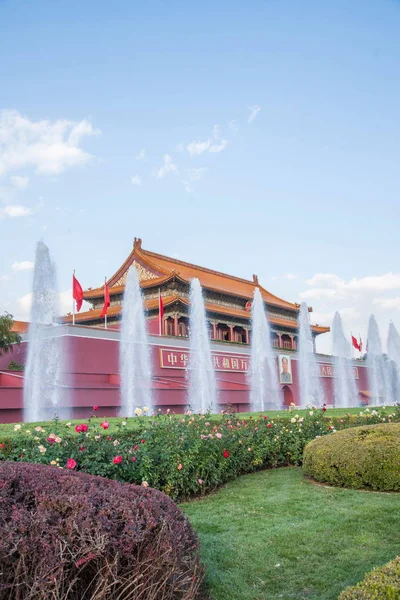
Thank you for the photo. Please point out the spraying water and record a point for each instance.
(378, 368)
(311, 391)
(135, 360)
(394, 354)
(44, 394)
(263, 376)
(200, 371)
(345, 389)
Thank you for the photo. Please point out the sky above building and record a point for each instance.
(259, 137)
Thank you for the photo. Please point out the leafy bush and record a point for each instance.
(72, 536)
(360, 457)
(180, 455)
(382, 583)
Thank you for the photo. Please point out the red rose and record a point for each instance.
(143, 441)
(109, 438)
(226, 454)
(71, 463)
(134, 459)
(50, 440)
(105, 424)
(117, 460)
(324, 408)
(84, 427)
(136, 447)
(95, 408)
(2, 446)
(78, 429)
(82, 448)
(269, 425)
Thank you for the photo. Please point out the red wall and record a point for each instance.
(92, 375)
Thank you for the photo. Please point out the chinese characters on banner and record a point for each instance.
(178, 359)
(171, 358)
(329, 371)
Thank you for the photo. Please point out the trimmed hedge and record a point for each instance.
(362, 457)
(73, 536)
(382, 583)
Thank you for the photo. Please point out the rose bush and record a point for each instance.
(181, 455)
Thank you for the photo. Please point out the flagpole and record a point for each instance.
(159, 313)
(105, 318)
(73, 300)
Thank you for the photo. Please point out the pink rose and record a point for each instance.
(71, 463)
(117, 460)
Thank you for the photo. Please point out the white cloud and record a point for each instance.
(14, 211)
(219, 147)
(4, 277)
(196, 148)
(254, 110)
(355, 299)
(388, 303)
(187, 185)
(213, 144)
(324, 283)
(25, 265)
(233, 125)
(19, 181)
(141, 154)
(49, 147)
(196, 174)
(23, 305)
(136, 180)
(168, 167)
(290, 276)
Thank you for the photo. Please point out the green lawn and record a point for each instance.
(6, 428)
(274, 534)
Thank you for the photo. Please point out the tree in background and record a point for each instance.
(8, 337)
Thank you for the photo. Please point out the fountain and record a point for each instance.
(134, 351)
(263, 375)
(379, 368)
(394, 354)
(44, 394)
(202, 387)
(135, 360)
(345, 389)
(311, 392)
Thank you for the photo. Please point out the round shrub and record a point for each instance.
(380, 584)
(72, 536)
(362, 457)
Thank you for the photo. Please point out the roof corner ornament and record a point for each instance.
(255, 279)
(137, 243)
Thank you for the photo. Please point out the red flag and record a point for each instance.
(77, 293)
(355, 343)
(160, 313)
(106, 301)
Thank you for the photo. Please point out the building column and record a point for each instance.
(291, 341)
(231, 335)
(247, 336)
(214, 327)
(279, 340)
(176, 325)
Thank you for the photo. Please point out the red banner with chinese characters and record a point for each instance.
(178, 359)
(329, 371)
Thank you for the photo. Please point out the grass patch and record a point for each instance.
(132, 423)
(324, 539)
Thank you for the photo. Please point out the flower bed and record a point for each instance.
(179, 455)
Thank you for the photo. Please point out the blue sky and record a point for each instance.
(259, 137)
